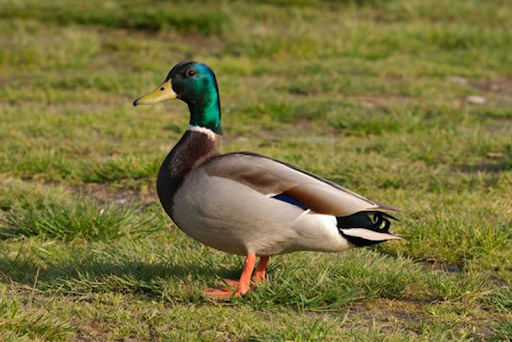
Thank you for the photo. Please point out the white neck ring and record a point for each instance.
(203, 130)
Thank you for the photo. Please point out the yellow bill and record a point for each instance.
(160, 94)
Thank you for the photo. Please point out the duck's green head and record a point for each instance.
(196, 85)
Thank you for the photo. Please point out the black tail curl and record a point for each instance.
(381, 222)
(378, 222)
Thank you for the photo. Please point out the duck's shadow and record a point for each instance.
(99, 276)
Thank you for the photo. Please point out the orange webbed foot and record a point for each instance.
(242, 287)
(232, 283)
(222, 293)
(258, 278)
(259, 274)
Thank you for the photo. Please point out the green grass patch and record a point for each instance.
(19, 323)
(504, 329)
(79, 219)
(131, 15)
(378, 96)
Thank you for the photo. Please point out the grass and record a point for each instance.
(374, 95)
(132, 15)
(83, 219)
(505, 329)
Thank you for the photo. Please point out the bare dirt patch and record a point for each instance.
(501, 86)
(119, 196)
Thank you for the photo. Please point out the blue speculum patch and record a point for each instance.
(290, 200)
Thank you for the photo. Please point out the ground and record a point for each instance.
(408, 102)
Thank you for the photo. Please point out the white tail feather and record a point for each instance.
(368, 234)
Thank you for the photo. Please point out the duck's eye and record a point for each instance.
(191, 73)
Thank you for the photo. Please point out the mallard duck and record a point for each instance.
(248, 204)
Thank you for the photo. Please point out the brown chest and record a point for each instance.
(193, 149)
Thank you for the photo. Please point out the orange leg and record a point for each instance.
(243, 285)
(259, 275)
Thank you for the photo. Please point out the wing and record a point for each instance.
(273, 177)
